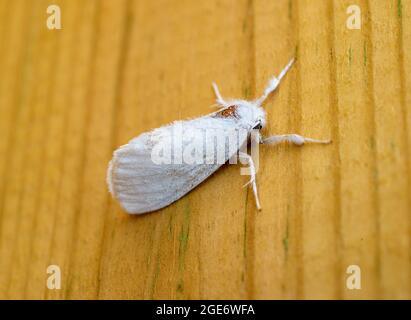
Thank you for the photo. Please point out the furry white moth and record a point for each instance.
(143, 182)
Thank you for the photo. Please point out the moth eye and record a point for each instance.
(258, 126)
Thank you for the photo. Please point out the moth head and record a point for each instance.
(258, 117)
(251, 114)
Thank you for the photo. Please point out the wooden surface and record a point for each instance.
(69, 97)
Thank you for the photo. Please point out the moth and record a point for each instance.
(155, 169)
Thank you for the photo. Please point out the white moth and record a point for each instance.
(149, 172)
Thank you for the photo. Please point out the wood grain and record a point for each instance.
(69, 97)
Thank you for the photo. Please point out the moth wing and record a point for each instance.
(142, 186)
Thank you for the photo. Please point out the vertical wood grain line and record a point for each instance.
(249, 218)
(125, 41)
(77, 24)
(13, 147)
(336, 141)
(371, 110)
(92, 67)
(16, 101)
(45, 133)
(404, 110)
(12, 112)
(299, 186)
(5, 19)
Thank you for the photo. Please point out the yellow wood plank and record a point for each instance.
(405, 56)
(358, 193)
(69, 97)
(89, 230)
(391, 150)
(319, 165)
(174, 262)
(53, 156)
(74, 145)
(24, 248)
(25, 69)
(274, 238)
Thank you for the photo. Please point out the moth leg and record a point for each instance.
(252, 181)
(292, 138)
(274, 82)
(220, 101)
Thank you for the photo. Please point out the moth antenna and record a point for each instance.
(219, 98)
(273, 83)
